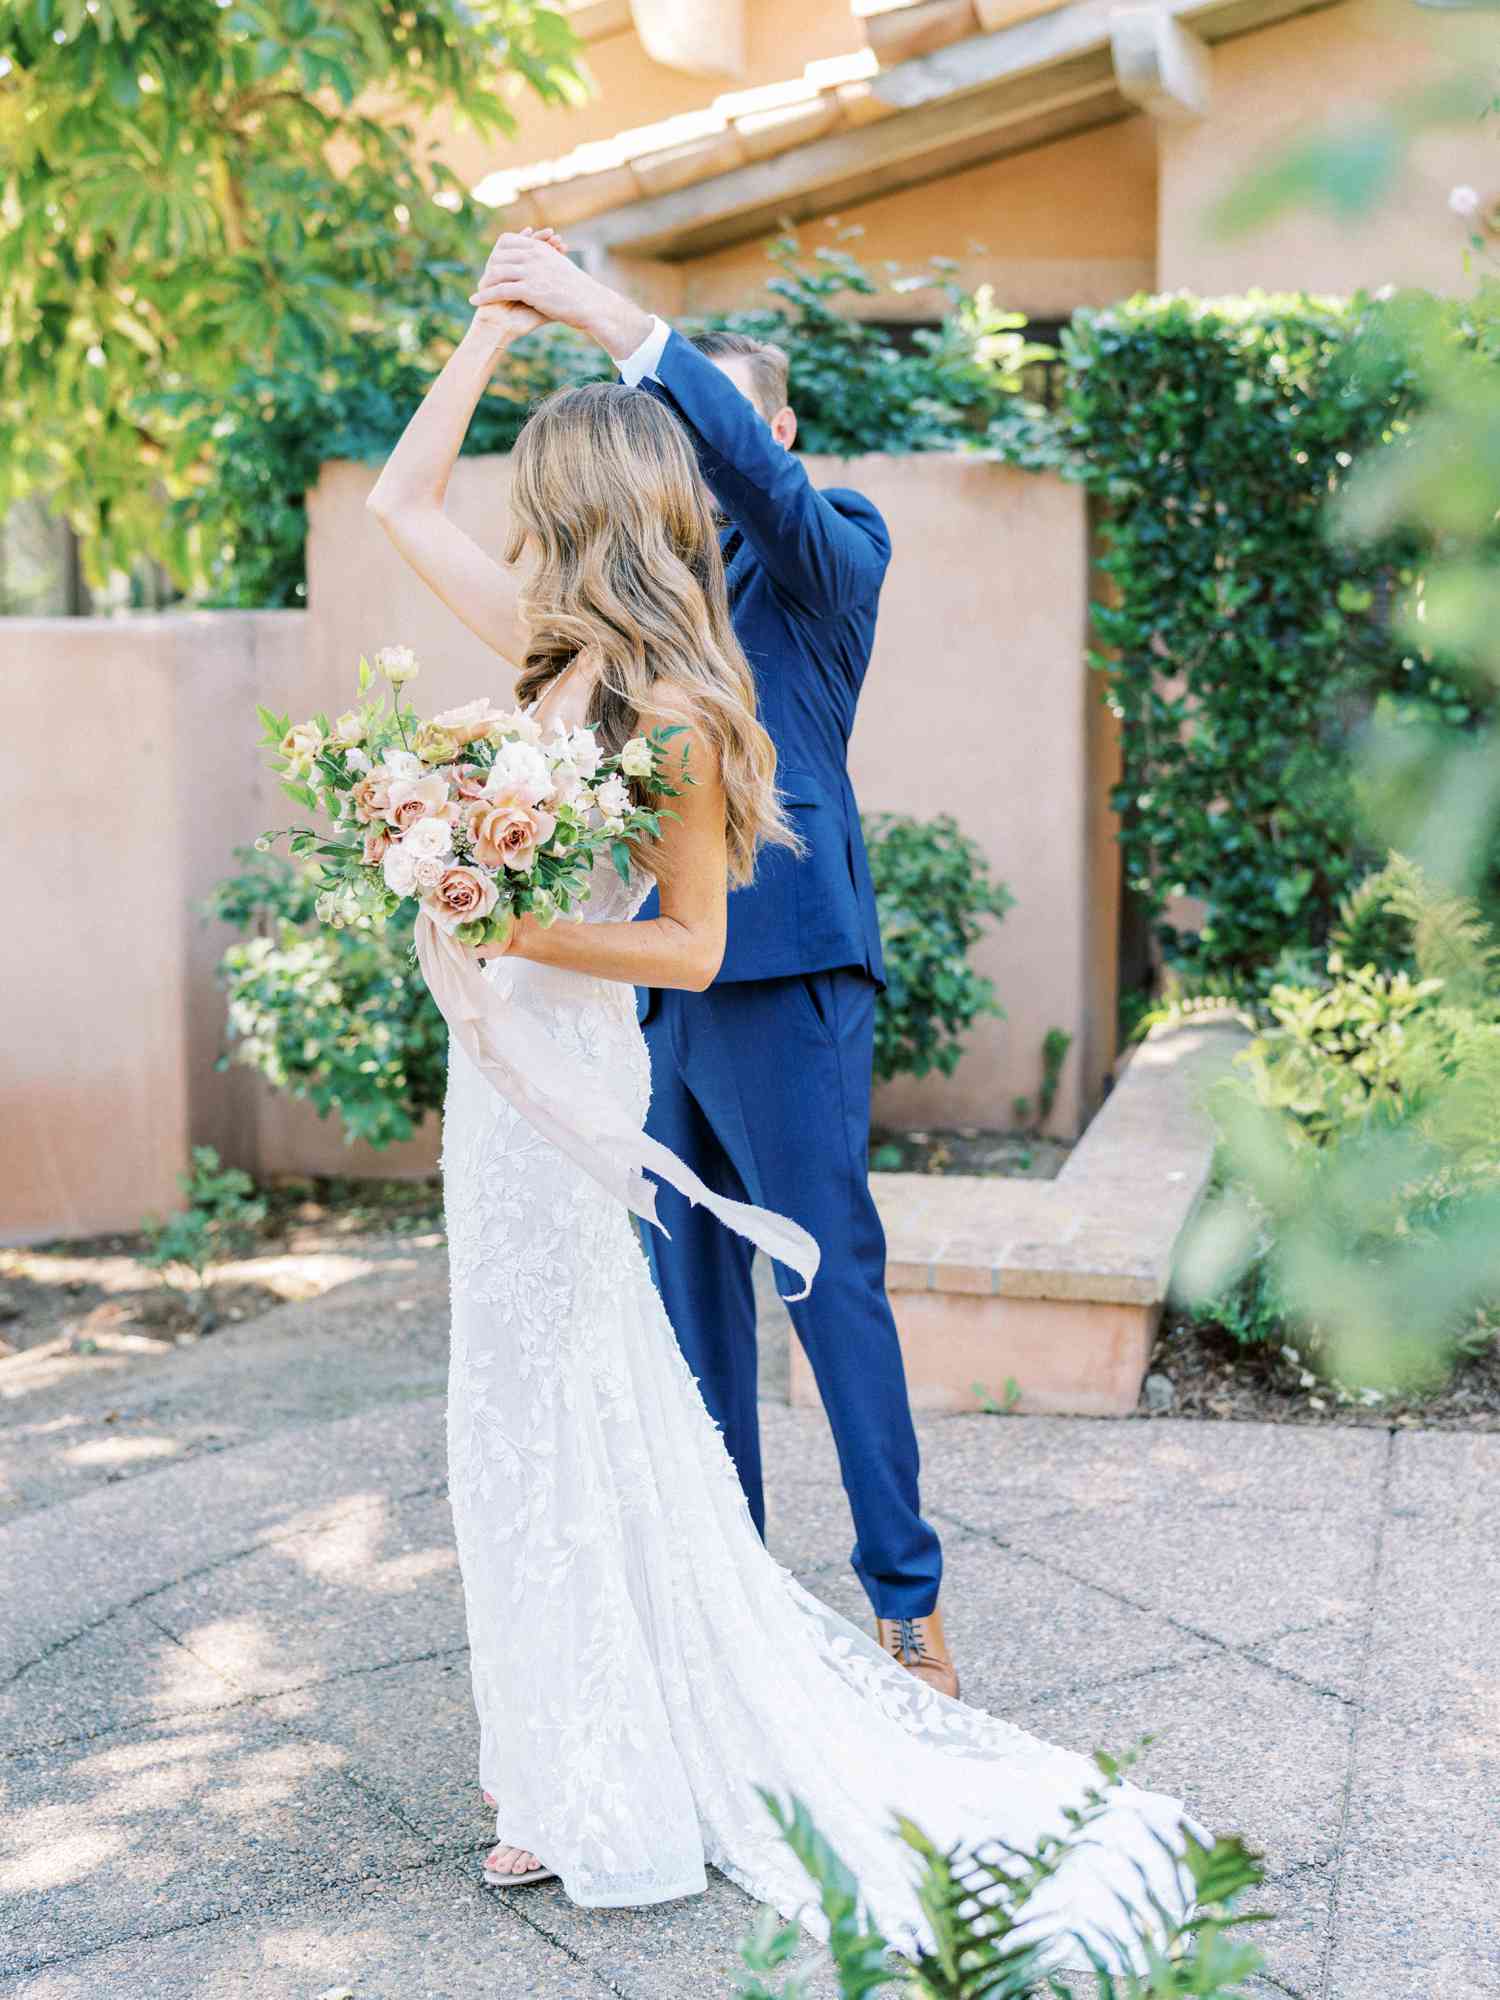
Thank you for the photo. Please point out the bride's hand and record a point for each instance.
(507, 947)
(513, 318)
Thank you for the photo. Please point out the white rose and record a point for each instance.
(613, 800)
(430, 873)
(520, 771)
(583, 752)
(567, 785)
(350, 728)
(397, 663)
(1464, 201)
(636, 759)
(402, 766)
(357, 761)
(399, 869)
(429, 840)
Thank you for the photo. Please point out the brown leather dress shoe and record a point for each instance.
(919, 1644)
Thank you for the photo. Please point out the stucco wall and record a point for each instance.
(977, 703)
(1287, 83)
(112, 1017)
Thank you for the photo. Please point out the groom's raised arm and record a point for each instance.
(824, 557)
(821, 555)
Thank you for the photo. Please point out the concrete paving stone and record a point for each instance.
(1436, 1630)
(1434, 1793)
(687, 1950)
(1412, 1926)
(177, 1823)
(371, 1586)
(994, 1471)
(426, 1935)
(124, 1672)
(796, 1447)
(410, 1734)
(1454, 1475)
(1294, 1944)
(1020, 1633)
(1249, 1752)
(127, 1540)
(808, 1525)
(1239, 1574)
(77, 1422)
(1330, 1655)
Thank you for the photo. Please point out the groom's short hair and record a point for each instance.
(768, 365)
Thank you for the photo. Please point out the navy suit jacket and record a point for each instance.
(804, 571)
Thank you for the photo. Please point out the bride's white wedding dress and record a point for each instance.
(641, 1665)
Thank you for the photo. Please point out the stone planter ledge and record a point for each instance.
(1056, 1286)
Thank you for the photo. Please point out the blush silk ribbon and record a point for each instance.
(584, 1120)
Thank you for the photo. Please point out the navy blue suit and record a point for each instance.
(763, 1082)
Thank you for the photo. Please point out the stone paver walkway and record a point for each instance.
(235, 1709)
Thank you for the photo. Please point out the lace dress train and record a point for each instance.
(641, 1664)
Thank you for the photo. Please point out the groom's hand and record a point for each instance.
(530, 270)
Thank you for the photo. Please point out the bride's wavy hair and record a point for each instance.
(607, 494)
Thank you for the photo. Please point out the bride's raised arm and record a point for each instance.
(408, 499)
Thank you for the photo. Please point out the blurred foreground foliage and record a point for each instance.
(1361, 1155)
(979, 1908)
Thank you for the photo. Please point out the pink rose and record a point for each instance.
(377, 840)
(459, 896)
(467, 724)
(419, 798)
(507, 833)
(372, 797)
(468, 781)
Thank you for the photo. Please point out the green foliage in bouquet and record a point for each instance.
(220, 1218)
(977, 1903)
(340, 1018)
(1360, 1127)
(933, 889)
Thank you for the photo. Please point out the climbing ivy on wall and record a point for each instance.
(1244, 646)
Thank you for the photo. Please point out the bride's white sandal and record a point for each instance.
(507, 1878)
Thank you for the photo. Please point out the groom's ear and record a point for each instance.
(784, 427)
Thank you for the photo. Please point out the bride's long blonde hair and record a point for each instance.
(608, 496)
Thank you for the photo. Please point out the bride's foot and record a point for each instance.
(920, 1646)
(509, 1867)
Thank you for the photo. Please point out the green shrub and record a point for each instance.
(342, 1018)
(976, 1902)
(932, 890)
(1361, 1127)
(1244, 649)
(853, 389)
(222, 1215)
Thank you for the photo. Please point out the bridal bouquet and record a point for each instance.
(473, 814)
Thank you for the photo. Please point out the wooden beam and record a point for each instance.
(1159, 64)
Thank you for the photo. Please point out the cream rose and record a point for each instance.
(349, 729)
(636, 759)
(430, 873)
(507, 832)
(468, 781)
(402, 764)
(397, 663)
(459, 896)
(470, 722)
(301, 744)
(418, 798)
(372, 797)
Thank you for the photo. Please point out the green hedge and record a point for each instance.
(1243, 647)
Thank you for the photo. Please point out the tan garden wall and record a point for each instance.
(978, 703)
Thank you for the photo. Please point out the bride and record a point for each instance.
(642, 1667)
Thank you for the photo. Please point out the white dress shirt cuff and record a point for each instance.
(644, 362)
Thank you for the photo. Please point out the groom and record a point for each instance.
(762, 1083)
